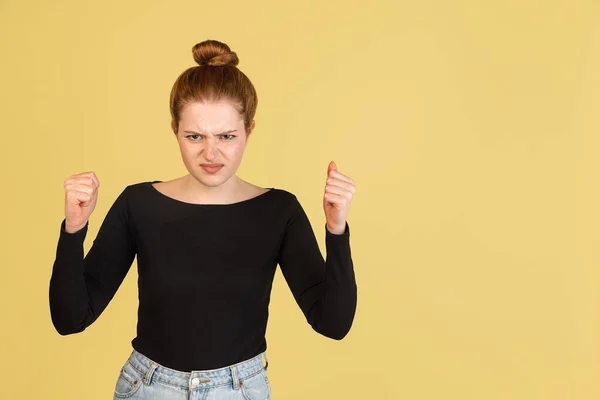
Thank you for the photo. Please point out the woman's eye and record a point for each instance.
(194, 137)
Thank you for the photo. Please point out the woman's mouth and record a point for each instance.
(211, 169)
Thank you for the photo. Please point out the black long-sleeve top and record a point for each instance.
(205, 273)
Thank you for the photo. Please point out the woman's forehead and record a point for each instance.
(210, 116)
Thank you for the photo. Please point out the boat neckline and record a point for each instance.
(149, 183)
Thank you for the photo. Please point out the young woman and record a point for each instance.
(207, 247)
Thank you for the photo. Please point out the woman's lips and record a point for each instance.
(212, 170)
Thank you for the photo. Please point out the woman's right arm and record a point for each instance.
(82, 286)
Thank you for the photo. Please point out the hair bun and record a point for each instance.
(215, 54)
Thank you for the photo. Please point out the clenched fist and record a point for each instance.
(339, 191)
(81, 195)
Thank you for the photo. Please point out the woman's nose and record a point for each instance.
(211, 149)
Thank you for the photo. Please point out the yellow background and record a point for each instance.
(470, 129)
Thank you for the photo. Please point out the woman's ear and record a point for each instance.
(251, 128)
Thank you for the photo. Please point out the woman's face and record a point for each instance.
(211, 133)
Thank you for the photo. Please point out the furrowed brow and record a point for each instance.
(222, 133)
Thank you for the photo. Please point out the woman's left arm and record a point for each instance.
(325, 290)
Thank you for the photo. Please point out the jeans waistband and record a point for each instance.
(230, 375)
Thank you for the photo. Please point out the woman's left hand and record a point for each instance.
(339, 190)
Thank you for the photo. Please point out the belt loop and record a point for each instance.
(147, 378)
(236, 382)
(266, 360)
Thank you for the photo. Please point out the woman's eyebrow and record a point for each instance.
(222, 133)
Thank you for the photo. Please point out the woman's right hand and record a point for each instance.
(81, 195)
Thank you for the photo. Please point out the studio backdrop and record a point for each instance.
(470, 128)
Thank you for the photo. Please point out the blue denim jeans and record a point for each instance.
(142, 378)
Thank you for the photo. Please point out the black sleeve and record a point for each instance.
(81, 287)
(325, 290)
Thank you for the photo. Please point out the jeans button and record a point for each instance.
(195, 381)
